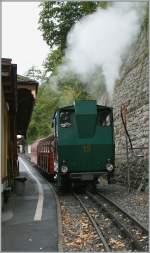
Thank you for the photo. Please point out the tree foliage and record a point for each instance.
(57, 18)
(53, 60)
(46, 103)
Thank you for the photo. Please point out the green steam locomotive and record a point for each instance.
(84, 143)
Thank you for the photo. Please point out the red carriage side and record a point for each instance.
(42, 154)
(34, 153)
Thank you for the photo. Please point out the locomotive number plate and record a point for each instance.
(87, 148)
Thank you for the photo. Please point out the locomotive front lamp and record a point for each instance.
(64, 168)
(109, 166)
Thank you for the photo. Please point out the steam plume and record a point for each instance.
(99, 42)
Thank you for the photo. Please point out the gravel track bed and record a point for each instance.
(78, 233)
(135, 203)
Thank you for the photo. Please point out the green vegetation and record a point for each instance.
(46, 101)
(57, 18)
(55, 21)
(53, 60)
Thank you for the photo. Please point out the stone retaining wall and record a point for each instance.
(132, 91)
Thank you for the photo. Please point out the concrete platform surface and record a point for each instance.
(29, 221)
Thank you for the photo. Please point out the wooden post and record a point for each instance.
(124, 113)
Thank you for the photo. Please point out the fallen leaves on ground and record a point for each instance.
(142, 238)
(78, 233)
(116, 244)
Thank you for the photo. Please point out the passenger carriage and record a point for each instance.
(42, 155)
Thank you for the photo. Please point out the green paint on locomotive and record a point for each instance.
(85, 117)
(86, 141)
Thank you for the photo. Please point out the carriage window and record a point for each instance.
(104, 119)
(65, 119)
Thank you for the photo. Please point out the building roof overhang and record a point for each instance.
(19, 93)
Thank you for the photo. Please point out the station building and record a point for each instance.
(18, 96)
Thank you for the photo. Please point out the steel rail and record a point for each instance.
(124, 212)
(98, 230)
(134, 243)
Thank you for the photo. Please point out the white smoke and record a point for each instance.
(101, 40)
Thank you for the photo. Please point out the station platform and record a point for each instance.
(29, 220)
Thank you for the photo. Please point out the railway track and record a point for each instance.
(131, 218)
(135, 235)
(111, 236)
(97, 228)
(79, 229)
(116, 230)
